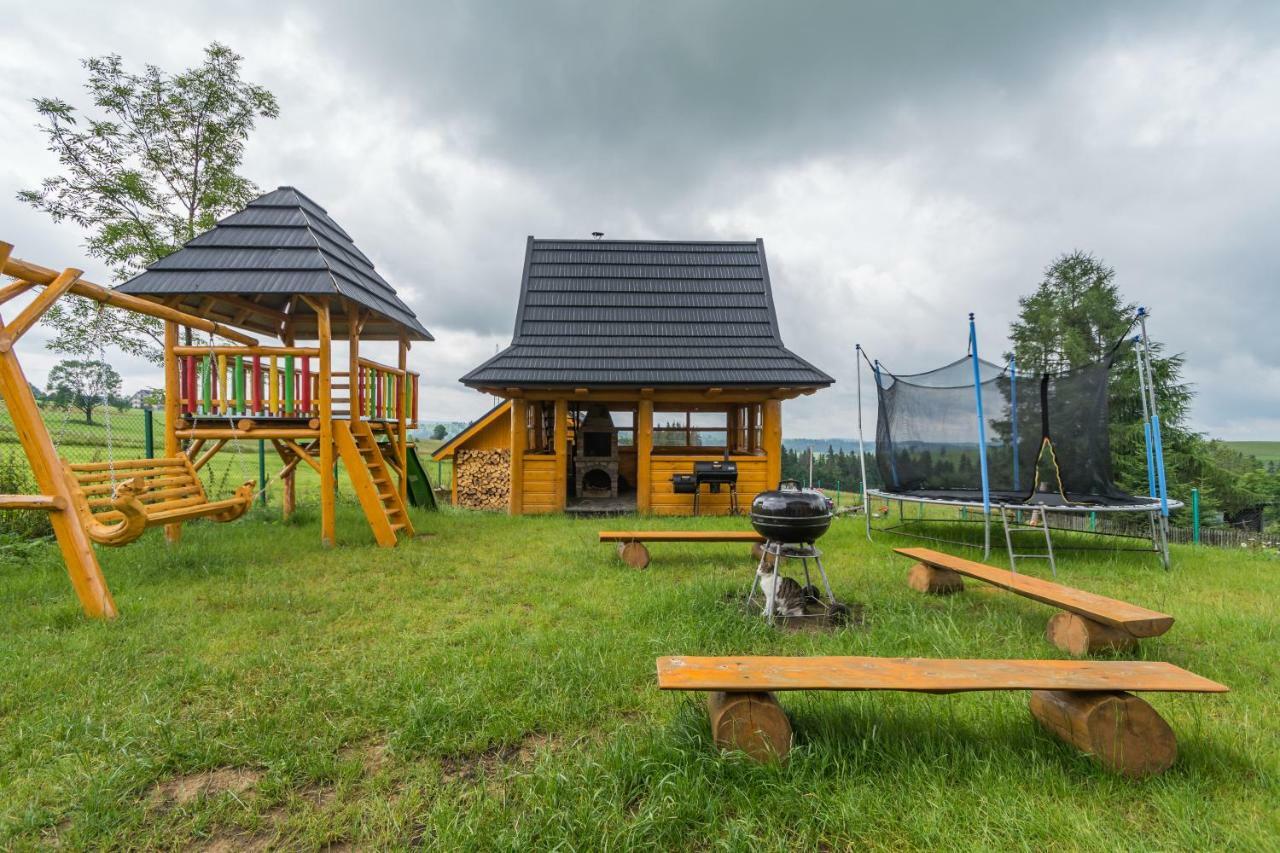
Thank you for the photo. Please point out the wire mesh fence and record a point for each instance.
(112, 433)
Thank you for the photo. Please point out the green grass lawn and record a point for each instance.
(491, 685)
(1265, 451)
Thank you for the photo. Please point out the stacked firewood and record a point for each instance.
(484, 478)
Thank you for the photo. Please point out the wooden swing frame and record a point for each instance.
(135, 506)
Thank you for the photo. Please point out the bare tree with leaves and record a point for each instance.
(155, 164)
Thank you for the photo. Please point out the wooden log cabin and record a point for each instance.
(283, 268)
(631, 363)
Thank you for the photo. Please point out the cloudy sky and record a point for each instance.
(906, 163)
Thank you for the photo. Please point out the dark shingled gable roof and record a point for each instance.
(282, 243)
(644, 313)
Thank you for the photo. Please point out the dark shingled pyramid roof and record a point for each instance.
(644, 314)
(281, 244)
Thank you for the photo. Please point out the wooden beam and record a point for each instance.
(204, 458)
(14, 288)
(47, 502)
(172, 393)
(560, 419)
(518, 442)
(328, 481)
(46, 469)
(42, 275)
(772, 441)
(644, 455)
(401, 438)
(35, 309)
(301, 453)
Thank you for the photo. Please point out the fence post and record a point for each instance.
(262, 472)
(148, 433)
(1195, 516)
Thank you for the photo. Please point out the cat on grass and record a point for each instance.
(787, 598)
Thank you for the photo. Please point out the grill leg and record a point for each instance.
(831, 596)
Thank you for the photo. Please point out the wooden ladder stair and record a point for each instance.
(371, 477)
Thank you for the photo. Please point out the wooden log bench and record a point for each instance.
(1089, 623)
(633, 552)
(1089, 704)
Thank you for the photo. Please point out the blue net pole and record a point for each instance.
(982, 421)
(1157, 444)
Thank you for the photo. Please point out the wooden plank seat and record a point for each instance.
(1089, 623)
(117, 501)
(632, 551)
(1089, 704)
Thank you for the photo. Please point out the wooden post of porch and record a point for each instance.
(324, 404)
(561, 438)
(644, 454)
(519, 433)
(773, 442)
(172, 408)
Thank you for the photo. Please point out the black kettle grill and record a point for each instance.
(791, 514)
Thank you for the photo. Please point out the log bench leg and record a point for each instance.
(751, 722)
(1078, 636)
(924, 578)
(1119, 729)
(634, 554)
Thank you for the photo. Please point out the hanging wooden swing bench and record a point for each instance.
(117, 501)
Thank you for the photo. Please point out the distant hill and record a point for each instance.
(1264, 451)
(821, 445)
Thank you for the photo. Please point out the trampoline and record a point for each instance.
(980, 437)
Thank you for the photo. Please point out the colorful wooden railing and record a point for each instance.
(254, 381)
(381, 393)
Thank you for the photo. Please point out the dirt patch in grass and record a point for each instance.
(372, 755)
(470, 767)
(184, 789)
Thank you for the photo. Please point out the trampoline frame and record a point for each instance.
(1157, 505)
(1010, 521)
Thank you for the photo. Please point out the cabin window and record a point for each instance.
(703, 429)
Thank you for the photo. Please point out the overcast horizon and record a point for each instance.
(904, 163)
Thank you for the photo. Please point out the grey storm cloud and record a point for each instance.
(905, 162)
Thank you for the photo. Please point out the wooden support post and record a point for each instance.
(77, 550)
(401, 410)
(644, 456)
(519, 435)
(773, 442)
(924, 578)
(289, 482)
(288, 493)
(1079, 636)
(634, 554)
(172, 393)
(561, 437)
(328, 499)
(751, 722)
(1119, 729)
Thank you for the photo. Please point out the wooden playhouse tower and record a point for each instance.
(283, 268)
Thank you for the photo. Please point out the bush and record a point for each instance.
(16, 479)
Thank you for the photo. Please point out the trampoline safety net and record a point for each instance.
(1046, 435)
